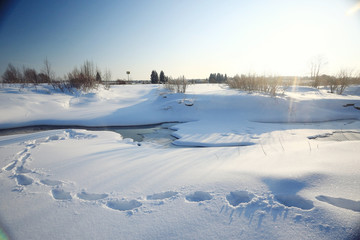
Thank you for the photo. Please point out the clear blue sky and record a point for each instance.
(182, 37)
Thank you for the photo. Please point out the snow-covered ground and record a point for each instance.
(248, 166)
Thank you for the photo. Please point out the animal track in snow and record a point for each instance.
(198, 196)
(123, 205)
(91, 196)
(60, 194)
(291, 200)
(51, 182)
(22, 169)
(24, 180)
(237, 197)
(161, 196)
(10, 166)
(341, 202)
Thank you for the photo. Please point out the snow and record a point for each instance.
(246, 166)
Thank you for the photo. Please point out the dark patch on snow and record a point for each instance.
(341, 202)
(123, 205)
(237, 197)
(198, 196)
(338, 136)
(294, 201)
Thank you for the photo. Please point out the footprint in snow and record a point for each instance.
(161, 196)
(291, 200)
(198, 196)
(341, 202)
(51, 182)
(24, 180)
(10, 166)
(22, 169)
(237, 197)
(123, 205)
(60, 194)
(91, 196)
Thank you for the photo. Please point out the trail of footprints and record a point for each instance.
(234, 199)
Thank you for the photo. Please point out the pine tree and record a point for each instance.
(154, 77)
(212, 78)
(162, 77)
(98, 77)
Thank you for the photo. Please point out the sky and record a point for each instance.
(182, 37)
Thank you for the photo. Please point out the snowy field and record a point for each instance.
(243, 166)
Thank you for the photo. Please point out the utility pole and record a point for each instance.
(128, 73)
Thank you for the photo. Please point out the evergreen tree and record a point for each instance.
(162, 77)
(98, 77)
(154, 77)
(217, 78)
(212, 78)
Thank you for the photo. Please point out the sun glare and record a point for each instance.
(353, 9)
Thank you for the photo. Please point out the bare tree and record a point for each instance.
(316, 64)
(344, 77)
(11, 75)
(332, 82)
(30, 76)
(106, 78)
(49, 74)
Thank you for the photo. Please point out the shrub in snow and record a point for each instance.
(177, 85)
(252, 83)
(11, 75)
(84, 78)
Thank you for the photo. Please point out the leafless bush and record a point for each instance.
(344, 77)
(30, 77)
(85, 78)
(177, 85)
(47, 74)
(106, 78)
(332, 82)
(253, 83)
(12, 75)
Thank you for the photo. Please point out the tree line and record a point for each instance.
(217, 78)
(85, 78)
